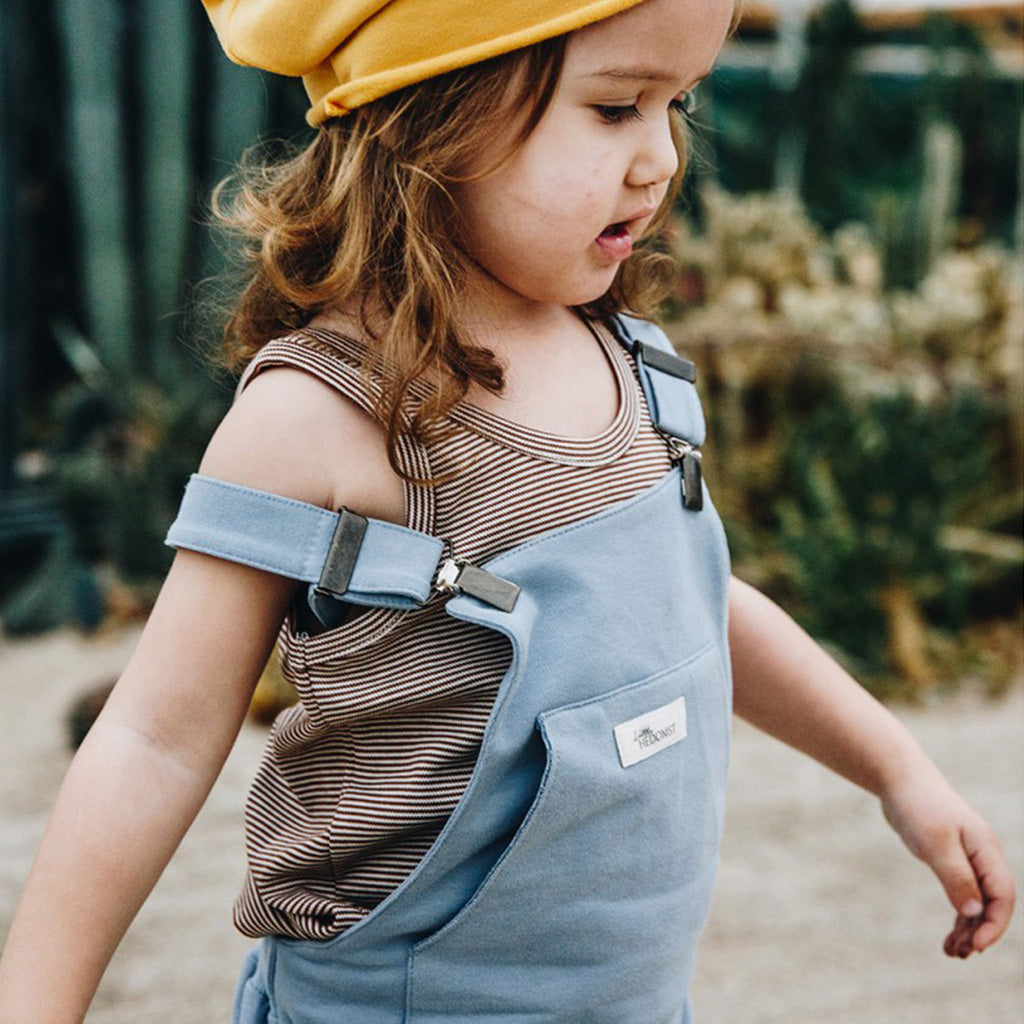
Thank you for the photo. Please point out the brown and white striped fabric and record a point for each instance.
(358, 779)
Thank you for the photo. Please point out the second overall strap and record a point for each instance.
(669, 384)
(343, 556)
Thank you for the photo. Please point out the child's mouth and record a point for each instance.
(615, 241)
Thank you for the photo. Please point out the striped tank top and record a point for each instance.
(359, 778)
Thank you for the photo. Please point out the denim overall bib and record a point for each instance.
(572, 881)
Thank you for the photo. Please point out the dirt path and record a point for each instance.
(820, 916)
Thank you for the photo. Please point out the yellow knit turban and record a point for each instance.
(349, 52)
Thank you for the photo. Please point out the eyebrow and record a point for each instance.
(640, 73)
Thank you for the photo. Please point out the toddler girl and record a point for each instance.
(467, 480)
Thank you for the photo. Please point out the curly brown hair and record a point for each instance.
(363, 218)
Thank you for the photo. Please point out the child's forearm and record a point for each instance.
(122, 811)
(788, 686)
(785, 684)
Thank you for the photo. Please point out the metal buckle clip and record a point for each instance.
(688, 458)
(341, 554)
(458, 577)
(448, 577)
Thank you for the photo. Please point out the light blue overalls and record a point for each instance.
(573, 879)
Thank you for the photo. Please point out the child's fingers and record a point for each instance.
(952, 865)
(964, 852)
(996, 883)
(960, 941)
(981, 918)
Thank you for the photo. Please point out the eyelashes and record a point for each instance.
(619, 115)
(623, 114)
(687, 105)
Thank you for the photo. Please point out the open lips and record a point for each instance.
(616, 241)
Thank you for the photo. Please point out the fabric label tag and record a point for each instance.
(651, 732)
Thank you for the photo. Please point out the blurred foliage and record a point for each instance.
(870, 439)
(101, 330)
(859, 343)
(869, 486)
(863, 136)
(115, 469)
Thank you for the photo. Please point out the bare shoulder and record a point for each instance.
(290, 433)
(287, 433)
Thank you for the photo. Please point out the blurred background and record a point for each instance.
(850, 283)
(849, 243)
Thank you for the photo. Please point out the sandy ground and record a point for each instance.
(820, 916)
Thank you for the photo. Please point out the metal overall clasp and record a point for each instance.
(688, 458)
(458, 577)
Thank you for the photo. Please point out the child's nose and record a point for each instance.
(657, 159)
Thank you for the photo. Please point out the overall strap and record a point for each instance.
(669, 385)
(667, 380)
(344, 557)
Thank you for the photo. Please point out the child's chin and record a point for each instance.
(590, 296)
(586, 293)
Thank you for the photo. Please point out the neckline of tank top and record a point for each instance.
(601, 449)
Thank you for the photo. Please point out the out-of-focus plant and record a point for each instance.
(114, 470)
(143, 139)
(862, 135)
(868, 487)
(864, 444)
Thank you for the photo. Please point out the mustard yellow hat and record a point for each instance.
(349, 52)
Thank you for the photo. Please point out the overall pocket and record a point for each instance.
(592, 913)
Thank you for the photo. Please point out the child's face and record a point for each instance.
(554, 222)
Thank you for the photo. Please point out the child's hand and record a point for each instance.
(940, 828)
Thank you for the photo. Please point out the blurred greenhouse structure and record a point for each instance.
(849, 243)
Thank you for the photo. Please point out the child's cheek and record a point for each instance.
(595, 189)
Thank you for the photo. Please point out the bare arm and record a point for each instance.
(150, 760)
(788, 686)
(137, 782)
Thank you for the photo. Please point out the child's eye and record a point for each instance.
(619, 115)
(685, 106)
